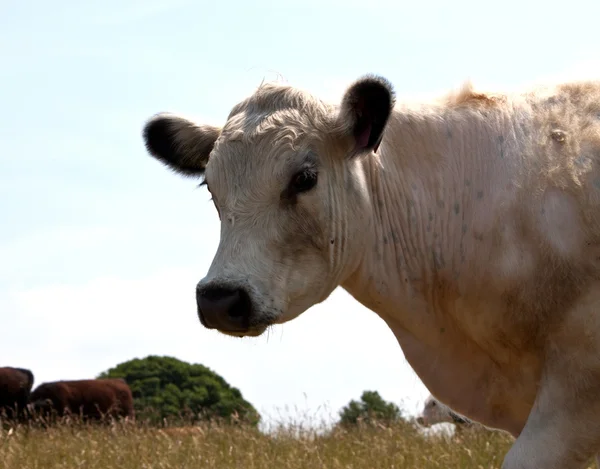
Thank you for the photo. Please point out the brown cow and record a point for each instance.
(15, 386)
(91, 399)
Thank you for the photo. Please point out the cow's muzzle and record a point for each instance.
(227, 309)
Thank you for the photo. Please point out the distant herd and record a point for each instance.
(97, 399)
(89, 399)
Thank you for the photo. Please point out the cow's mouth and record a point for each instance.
(233, 328)
(421, 421)
(250, 332)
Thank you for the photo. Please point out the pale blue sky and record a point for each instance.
(101, 247)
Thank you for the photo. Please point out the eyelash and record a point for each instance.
(203, 183)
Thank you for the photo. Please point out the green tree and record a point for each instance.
(371, 408)
(168, 388)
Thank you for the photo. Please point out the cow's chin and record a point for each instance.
(252, 332)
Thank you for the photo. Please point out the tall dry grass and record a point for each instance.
(128, 445)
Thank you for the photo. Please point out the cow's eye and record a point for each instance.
(304, 181)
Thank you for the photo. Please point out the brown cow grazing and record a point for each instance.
(91, 399)
(15, 386)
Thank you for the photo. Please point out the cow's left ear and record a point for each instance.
(364, 112)
(179, 143)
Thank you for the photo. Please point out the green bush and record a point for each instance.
(371, 408)
(165, 388)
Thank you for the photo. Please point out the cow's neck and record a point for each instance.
(417, 217)
(421, 183)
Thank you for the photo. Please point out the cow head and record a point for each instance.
(435, 412)
(287, 177)
(40, 406)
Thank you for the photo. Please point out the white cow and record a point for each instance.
(435, 412)
(470, 225)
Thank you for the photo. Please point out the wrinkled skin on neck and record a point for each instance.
(420, 270)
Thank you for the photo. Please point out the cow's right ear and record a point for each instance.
(364, 112)
(179, 143)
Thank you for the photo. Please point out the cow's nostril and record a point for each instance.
(217, 293)
(223, 307)
(241, 306)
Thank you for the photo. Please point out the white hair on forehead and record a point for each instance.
(272, 98)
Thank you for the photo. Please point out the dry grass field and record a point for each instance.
(136, 446)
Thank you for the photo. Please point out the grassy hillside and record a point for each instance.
(129, 446)
(138, 446)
